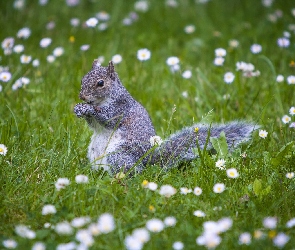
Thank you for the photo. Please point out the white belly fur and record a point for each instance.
(103, 142)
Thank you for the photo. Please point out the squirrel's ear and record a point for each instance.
(111, 70)
(95, 63)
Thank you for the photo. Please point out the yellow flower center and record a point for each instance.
(1, 150)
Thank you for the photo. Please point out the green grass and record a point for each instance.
(46, 141)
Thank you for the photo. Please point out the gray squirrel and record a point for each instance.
(123, 129)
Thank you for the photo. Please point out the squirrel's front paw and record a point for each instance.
(83, 109)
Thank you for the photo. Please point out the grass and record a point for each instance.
(46, 141)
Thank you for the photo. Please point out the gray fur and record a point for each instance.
(112, 112)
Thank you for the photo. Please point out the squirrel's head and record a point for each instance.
(97, 83)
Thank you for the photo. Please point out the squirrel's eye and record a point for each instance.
(100, 83)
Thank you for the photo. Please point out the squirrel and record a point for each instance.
(122, 128)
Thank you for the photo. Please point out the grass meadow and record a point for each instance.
(47, 47)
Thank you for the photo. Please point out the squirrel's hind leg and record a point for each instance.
(125, 163)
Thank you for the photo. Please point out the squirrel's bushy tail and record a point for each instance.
(180, 146)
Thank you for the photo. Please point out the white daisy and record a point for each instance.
(24, 33)
(170, 221)
(220, 164)
(92, 22)
(256, 48)
(173, 60)
(218, 188)
(9, 243)
(292, 111)
(39, 246)
(245, 238)
(18, 48)
(189, 29)
(117, 59)
(229, 77)
(61, 183)
(155, 225)
(58, 51)
(45, 42)
(81, 178)
(63, 228)
(283, 42)
(286, 119)
(291, 79)
(220, 52)
(106, 223)
(187, 74)
(25, 59)
(218, 61)
(199, 213)
(3, 149)
(167, 191)
(48, 209)
(290, 175)
(270, 222)
(155, 140)
(263, 134)
(178, 245)
(280, 78)
(5, 76)
(185, 190)
(232, 173)
(143, 54)
(197, 191)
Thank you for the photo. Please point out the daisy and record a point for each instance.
(141, 6)
(5, 76)
(48, 209)
(117, 59)
(170, 221)
(290, 175)
(178, 245)
(3, 149)
(143, 54)
(45, 42)
(187, 74)
(24, 232)
(218, 61)
(286, 119)
(224, 224)
(199, 213)
(25, 59)
(229, 77)
(290, 223)
(141, 234)
(292, 125)
(61, 183)
(184, 94)
(106, 223)
(155, 140)
(171, 61)
(39, 246)
(281, 240)
(234, 43)
(167, 191)
(292, 111)
(18, 48)
(220, 164)
(85, 237)
(85, 47)
(58, 51)
(75, 22)
(155, 225)
(270, 222)
(81, 179)
(258, 234)
(283, 42)
(36, 63)
(280, 78)
(50, 58)
(185, 190)
(8, 43)
(263, 134)
(91, 22)
(24, 33)
(197, 191)
(256, 48)
(291, 79)
(232, 173)
(132, 243)
(245, 238)
(218, 188)
(80, 221)
(103, 16)
(102, 26)
(63, 228)
(189, 29)
(152, 186)
(220, 52)
(9, 243)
